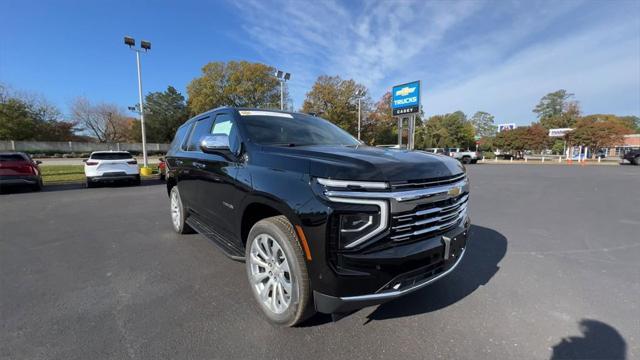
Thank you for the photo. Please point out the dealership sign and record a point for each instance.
(503, 127)
(559, 132)
(405, 98)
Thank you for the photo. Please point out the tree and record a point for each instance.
(24, 116)
(630, 122)
(449, 130)
(534, 137)
(483, 124)
(164, 113)
(106, 122)
(236, 83)
(379, 125)
(556, 110)
(335, 100)
(597, 134)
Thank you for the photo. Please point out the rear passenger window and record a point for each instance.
(201, 129)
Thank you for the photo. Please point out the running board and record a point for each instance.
(227, 247)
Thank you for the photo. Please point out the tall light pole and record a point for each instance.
(282, 77)
(146, 46)
(359, 94)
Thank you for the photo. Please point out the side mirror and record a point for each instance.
(84, 160)
(38, 162)
(161, 159)
(215, 144)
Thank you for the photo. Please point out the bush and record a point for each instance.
(489, 155)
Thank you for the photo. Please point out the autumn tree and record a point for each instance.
(235, 83)
(335, 99)
(379, 125)
(534, 137)
(598, 133)
(164, 112)
(105, 122)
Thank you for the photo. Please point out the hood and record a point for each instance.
(365, 163)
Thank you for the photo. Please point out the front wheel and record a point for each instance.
(466, 160)
(277, 272)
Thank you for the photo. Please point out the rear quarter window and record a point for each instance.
(12, 157)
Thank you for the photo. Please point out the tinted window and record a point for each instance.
(224, 124)
(201, 129)
(111, 156)
(180, 137)
(295, 130)
(11, 157)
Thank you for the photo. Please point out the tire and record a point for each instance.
(474, 161)
(287, 264)
(37, 186)
(466, 160)
(636, 160)
(137, 180)
(90, 184)
(178, 213)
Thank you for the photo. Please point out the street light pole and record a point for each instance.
(146, 46)
(358, 118)
(282, 77)
(281, 94)
(144, 137)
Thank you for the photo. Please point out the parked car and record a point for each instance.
(632, 156)
(162, 168)
(19, 169)
(323, 222)
(464, 156)
(111, 166)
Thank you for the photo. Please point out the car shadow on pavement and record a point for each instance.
(480, 263)
(598, 341)
(75, 186)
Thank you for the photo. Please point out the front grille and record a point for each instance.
(419, 184)
(429, 220)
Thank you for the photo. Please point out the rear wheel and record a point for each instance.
(636, 160)
(89, 184)
(277, 272)
(178, 213)
(37, 186)
(466, 160)
(137, 180)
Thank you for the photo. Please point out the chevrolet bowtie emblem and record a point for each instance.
(454, 191)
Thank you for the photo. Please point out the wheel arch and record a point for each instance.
(257, 208)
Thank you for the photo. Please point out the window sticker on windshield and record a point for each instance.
(264, 113)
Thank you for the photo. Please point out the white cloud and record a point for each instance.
(470, 55)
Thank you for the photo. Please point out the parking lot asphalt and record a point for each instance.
(552, 272)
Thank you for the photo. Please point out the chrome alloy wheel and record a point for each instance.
(270, 273)
(175, 210)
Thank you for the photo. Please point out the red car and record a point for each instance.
(162, 168)
(18, 169)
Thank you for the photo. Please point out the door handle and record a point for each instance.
(198, 165)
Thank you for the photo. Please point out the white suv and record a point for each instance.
(109, 166)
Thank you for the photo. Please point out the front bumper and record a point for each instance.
(425, 264)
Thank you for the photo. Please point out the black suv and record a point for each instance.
(632, 155)
(323, 222)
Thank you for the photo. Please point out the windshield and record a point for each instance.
(295, 130)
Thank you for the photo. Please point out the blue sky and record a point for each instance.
(495, 56)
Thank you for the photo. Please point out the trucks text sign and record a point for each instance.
(405, 98)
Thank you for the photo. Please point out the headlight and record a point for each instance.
(358, 227)
(355, 226)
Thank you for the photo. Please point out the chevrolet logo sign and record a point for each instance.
(405, 91)
(454, 191)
